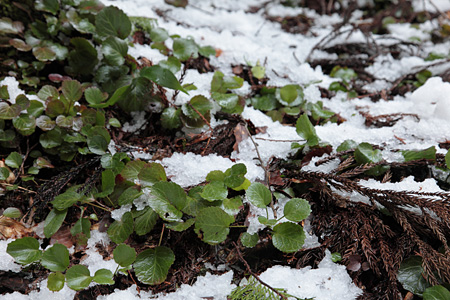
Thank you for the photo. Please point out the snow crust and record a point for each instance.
(7, 262)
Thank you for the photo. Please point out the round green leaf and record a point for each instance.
(103, 276)
(288, 237)
(167, 199)
(249, 240)
(66, 199)
(297, 209)
(119, 231)
(215, 190)
(14, 160)
(212, 225)
(78, 277)
(56, 258)
(44, 53)
(112, 21)
(72, 90)
(170, 118)
(183, 49)
(114, 122)
(152, 265)
(131, 170)
(97, 144)
(162, 77)
(19, 45)
(265, 102)
(259, 195)
(159, 34)
(53, 222)
(114, 50)
(25, 124)
(94, 95)
(128, 196)
(152, 173)
(11, 212)
(56, 281)
(180, 226)
(24, 250)
(83, 59)
(437, 292)
(4, 173)
(82, 226)
(365, 153)
(124, 255)
(145, 221)
(410, 275)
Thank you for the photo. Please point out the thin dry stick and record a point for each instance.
(247, 266)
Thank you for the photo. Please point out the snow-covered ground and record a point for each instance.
(247, 38)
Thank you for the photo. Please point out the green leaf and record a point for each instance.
(265, 102)
(215, 190)
(103, 276)
(108, 183)
(36, 108)
(221, 83)
(113, 21)
(51, 6)
(137, 96)
(97, 144)
(8, 112)
(124, 255)
(152, 265)
(447, 159)
(207, 51)
(212, 225)
(411, 276)
(7, 135)
(19, 45)
(83, 59)
(14, 160)
(258, 71)
(114, 50)
(4, 94)
(56, 281)
(4, 173)
(288, 237)
(336, 257)
(114, 122)
(11, 212)
(429, 154)
(145, 221)
(162, 77)
(201, 104)
(128, 196)
(51, 139)
(78, 277)
(158, 34)
(289, 93)
(215, 175)
(183, 49)
(365, 153)
(152, 173)
(8, 26)
(167, 199)
(347, 145)
(180, 226)
(306, 130)
(56, 258)
(25, 124)
(337, 86)
(24, 250)
(170, 118)
(232, 206)
(119, 231)
(437, 292)
(249, 240)
(172, 63)
(82, 226)
(259, 195)
(55, 108)
(66, 199)
(72, 90)
(44, 53)
(344, 73)
(53, 222)
(226, 101)
(297, 209)
(94, 96)
(131, 170)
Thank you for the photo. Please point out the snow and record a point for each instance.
(14, 90)
(247, 38)
(328, 282)
(7, 261)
